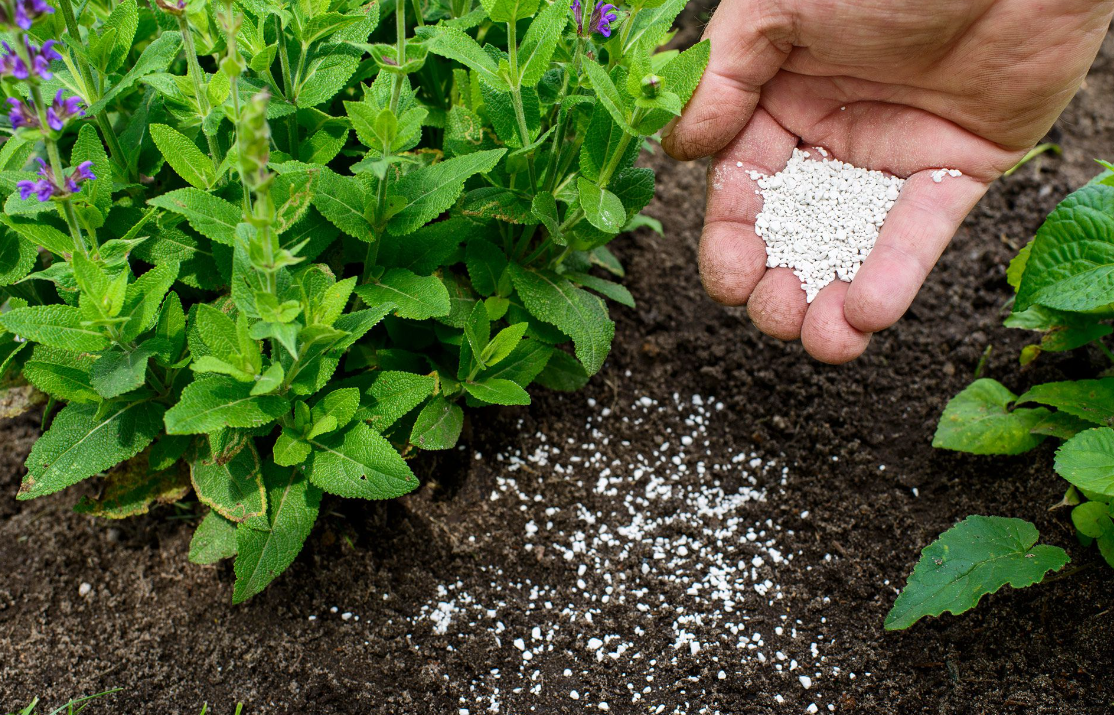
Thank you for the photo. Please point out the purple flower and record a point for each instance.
(13, 65)
(21, 115)
(47, 186)
(604, 15)
(62, 109)
(26, 11)
(600, 19)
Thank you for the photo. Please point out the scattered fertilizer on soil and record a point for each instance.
(669, 584)
(821, 217)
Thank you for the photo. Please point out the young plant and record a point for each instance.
(274, 247)
(1064, 290)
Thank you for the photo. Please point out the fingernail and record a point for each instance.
(668, 128)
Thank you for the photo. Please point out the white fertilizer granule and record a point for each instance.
(821, 217)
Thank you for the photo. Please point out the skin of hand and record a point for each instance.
(964, 84)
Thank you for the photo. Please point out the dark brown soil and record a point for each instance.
(164, 630)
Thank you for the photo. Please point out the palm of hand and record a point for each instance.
(905, 89)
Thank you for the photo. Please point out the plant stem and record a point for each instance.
(57, 170)
(287, 83)
(1105, 350)
(202, 97)
(516, 100)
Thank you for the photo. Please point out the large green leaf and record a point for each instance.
(416, 297)
(58, 326)
(457, 45)
(233, 489)
(975, 557)
(62, 374)
(432, 189)
(438, 425)
(978, 420)
(213, 403)
(292, 506)
(1087, 460)
(540, 41)
(183, 156)
(341, 200)
(498, 391)
(393, 394)
(581, 315)
(1092, 400)
(359, 462)
(602, 208)
(209, 215)
(1071, 263)
(213, 540)
(83, 441)
(156, 57)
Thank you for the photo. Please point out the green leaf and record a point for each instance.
(84, 440)
(59, 326)
(98, 192)
(212, 217)
(120, 371)
(324, 76)
(1087, 461)
(144, 297)
(525, 362)
(606, 288)
(395, 393)
(17, 257)
(979, 421)
(609, 96)
(359, 462)
(477, 330)
(498, 392)
(680, 76)
(1061, 425)
(602, 208)
(563, 373)
(213, 540)
(1091, 400)
(427, 249)
(975, 557)
(41, 234)
(493, 202)
(1071, 263)
(416, 297)
(1017, 266)
(540, 41)
(341, 200)
(62, 374)
(458, 45)
(124, 20)
(184, 156)
(156, 57)
(575, 312)
(544, 208)
(1092, 519)
(509, 10)
(233, 489)
(502, 344)
(209, 404)
(292, 506)
(432, 189)
(438, 425)
(485, 262)
(290, 450)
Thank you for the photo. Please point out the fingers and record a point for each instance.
(732, 256)
(745, 55)
(777, 306)
(917, 229)
(826, 333)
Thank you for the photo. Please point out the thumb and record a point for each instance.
(750, 41)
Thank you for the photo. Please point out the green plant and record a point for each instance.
(1064, 284)
(312, 237)
(73, 707)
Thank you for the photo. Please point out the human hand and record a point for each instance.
(963, 84)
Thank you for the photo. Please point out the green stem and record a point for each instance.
(57, 169)
(627, 27)
(287, 84)
(1105, 350)
(516, 101)
(203, 107)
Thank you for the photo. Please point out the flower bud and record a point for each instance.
(651, 86)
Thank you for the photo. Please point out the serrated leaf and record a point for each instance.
(525, 362)
(608, 95)
(1071, 263)
(498, 392)
(340, 199)
(540, 41)
(457, 45)
(433, 189)
(1091, 400)
(485, 262)
(503, 344)
(58, 326)
(975, 557)
(359, 462)
(393, 394)
(979, 421)
(602, 208)
(183, 156)
(213, 540)
(438, 425)
(156, 57)
(209, 215)
(1087, 461)
(606, 288)
(509, 10)
(493, 202)
(292, 506)
(580, 315)
(120, 371)
(210, 404)
(563, 373)
(415, 297)
(544, 208)
(82, 442)
(62, 374)
(234, 488)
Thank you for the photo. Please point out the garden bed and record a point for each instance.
(793, 512)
